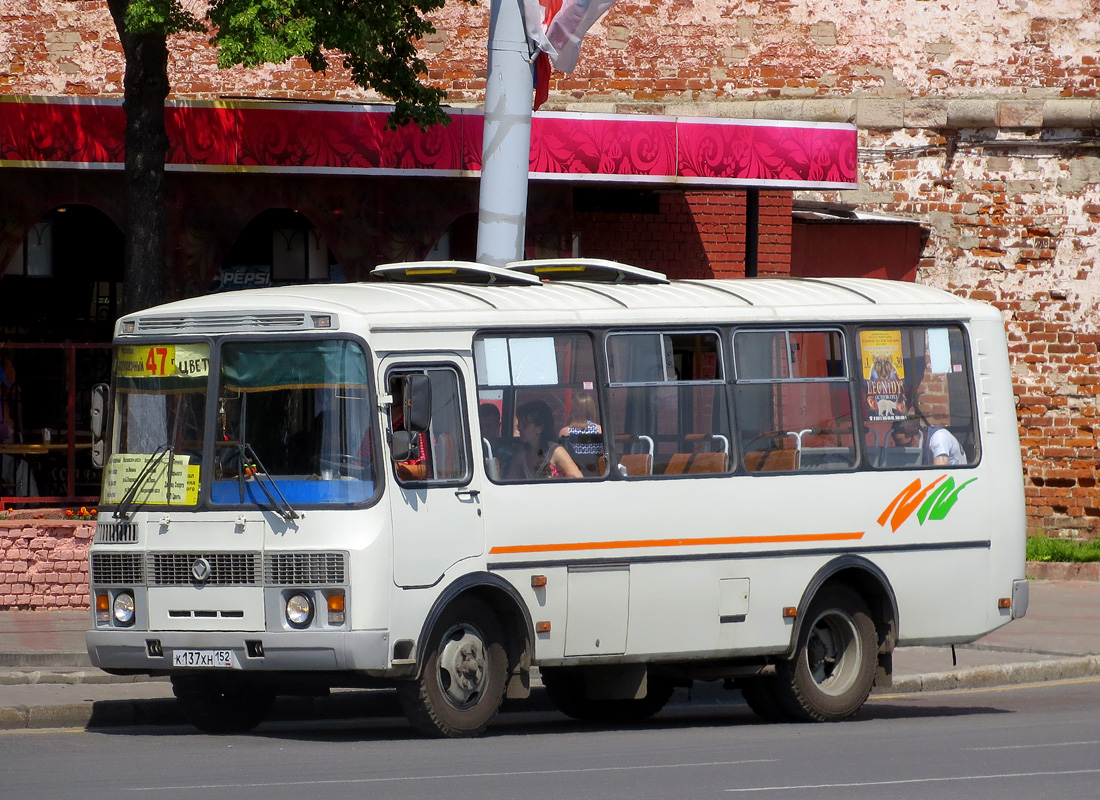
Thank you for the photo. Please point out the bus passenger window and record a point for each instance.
(915, 391)
(793, 401)
(668, 404)
(533, 392)
(440, 452)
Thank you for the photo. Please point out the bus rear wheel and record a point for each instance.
(221, 703)
(833, 668)
(565, 688)
(461, 686)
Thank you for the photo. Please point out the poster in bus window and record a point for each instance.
(883, 375)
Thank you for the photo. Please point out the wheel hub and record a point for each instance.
(463, 665)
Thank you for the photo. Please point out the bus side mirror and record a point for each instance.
(405, 446)
(416, 393)
(101, 398)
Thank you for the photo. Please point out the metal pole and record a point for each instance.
(506, 148)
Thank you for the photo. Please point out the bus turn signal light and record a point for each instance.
(1004, 602)
(538, 580)
(336, 608)
(542, 627)
(790, 612)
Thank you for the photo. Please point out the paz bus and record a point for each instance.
(454, 477)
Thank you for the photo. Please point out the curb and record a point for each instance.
(997, 675)
(165, 711)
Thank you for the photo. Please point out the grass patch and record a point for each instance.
(1042, 548)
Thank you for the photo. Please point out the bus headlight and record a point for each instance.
(123, 608)
(299, 610)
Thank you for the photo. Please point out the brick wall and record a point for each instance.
(44, 562)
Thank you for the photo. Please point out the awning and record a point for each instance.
(352, 139)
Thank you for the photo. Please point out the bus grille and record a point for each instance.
(116, 568)
(116, 533)
(219, 323)
(304, 569)
(226, 569)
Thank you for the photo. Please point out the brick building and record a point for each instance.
(977, 121)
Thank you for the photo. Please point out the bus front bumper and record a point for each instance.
(298, 651)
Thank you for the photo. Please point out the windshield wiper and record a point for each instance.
(127, 501)
(248, 456)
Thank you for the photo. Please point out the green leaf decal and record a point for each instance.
(941, 501)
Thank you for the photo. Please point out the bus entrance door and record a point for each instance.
(436, 510)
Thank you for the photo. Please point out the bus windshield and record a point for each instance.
(293, 419)
(159, 427)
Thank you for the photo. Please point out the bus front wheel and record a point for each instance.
(461, 686)
(833, 668)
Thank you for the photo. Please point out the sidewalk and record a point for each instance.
(46, 680)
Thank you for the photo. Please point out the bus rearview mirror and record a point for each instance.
(417, 400)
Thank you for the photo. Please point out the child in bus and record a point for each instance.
(540, 457)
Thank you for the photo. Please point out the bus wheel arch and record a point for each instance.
(841, 643)
(474, 649)
(870, 582)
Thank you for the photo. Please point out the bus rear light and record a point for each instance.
(336, 608)
(790, 612)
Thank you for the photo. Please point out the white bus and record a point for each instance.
(443, 478)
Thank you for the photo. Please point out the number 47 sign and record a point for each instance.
(161, 361)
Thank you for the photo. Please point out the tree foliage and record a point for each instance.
(375, 40)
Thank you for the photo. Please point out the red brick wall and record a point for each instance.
(695, 235)
(44, 562)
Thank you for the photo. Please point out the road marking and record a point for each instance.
(458, 776)
(980, 690)
(900, 782)
(1029, 746)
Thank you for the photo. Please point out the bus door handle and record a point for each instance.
(470, 493)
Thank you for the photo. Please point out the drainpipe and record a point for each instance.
(752, 232)
(506, 147)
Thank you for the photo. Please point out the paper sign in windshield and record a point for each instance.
(156, 488)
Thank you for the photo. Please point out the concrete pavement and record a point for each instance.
(46, 680)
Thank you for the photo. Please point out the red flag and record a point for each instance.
(542, 80)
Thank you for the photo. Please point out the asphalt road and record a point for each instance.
(1002, 743)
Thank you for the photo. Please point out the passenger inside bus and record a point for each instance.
(539, 457)
(583, 434)
(938, 445)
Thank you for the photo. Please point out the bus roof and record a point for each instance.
(383, 305)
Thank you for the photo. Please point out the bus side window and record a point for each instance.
(548, 380)
(793, 401)
(668, 403)
(916, 395)
(439, 453)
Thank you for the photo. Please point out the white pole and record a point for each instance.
(506, 149)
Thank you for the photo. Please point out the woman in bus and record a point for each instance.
(539, 457)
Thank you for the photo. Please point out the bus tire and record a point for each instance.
(565, 688)
(461, 685)
(834, 665)
(759, 694)
(221, 703)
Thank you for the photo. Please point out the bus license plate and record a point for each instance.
(202, 658)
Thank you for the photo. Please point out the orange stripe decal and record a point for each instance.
(708, 542)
